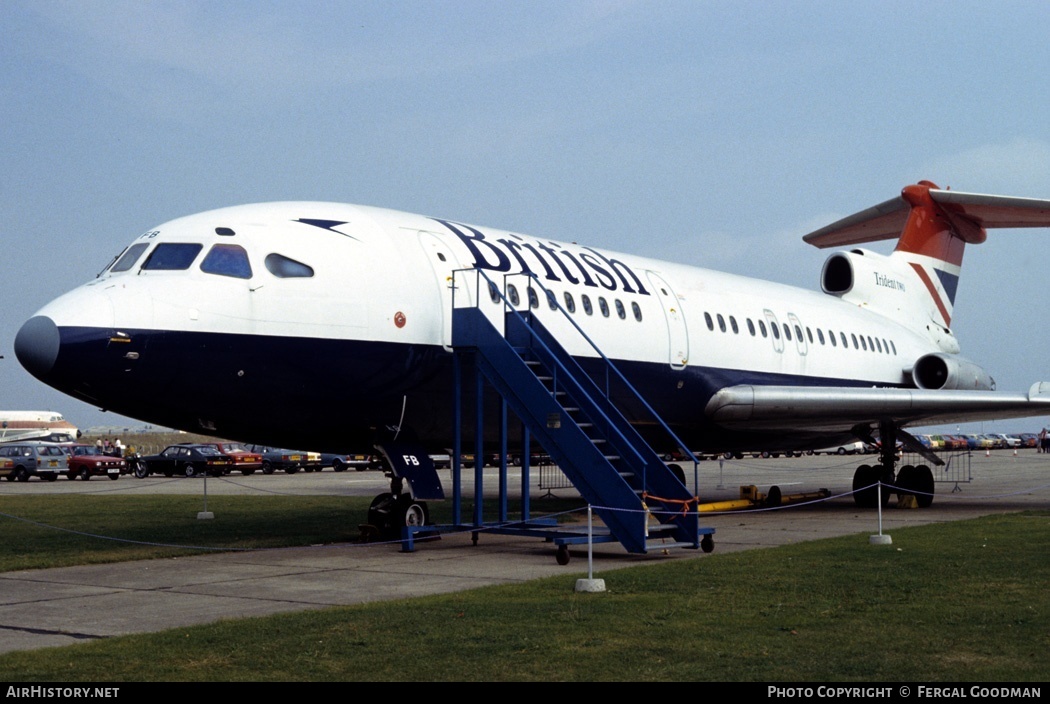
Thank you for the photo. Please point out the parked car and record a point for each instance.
(186, 460)
(44, 460)
(244, 460)
(86, 462)
(847, 448)
(276, 458)
(341, 462)
(1010, 440)
(7, 468)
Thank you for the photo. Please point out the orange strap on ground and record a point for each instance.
(684, 502)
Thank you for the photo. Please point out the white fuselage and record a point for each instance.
(360, 284)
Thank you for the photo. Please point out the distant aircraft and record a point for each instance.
(308, 324)
(36, 425)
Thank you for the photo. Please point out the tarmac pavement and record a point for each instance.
(54, 607)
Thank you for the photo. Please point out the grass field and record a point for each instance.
(962, 601)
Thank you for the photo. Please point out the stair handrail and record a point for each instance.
(508, 305)
(550, 297)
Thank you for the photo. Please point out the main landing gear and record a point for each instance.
(911, 479)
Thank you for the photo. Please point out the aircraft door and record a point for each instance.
(677, 333)
(444, 262)
(774, 330)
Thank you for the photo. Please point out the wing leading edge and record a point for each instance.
(820, 409)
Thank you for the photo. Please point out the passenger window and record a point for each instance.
(855, 345)
(227, 260)
(512, 295)
(284, 268)
(586, 301)
(787, 332)
(620, 311)
(534, 299)
(721, 323)
(775, 330)
(733, 325)
(798, 334)
(820, 335)
(493, 292)
(172, 256)
(130, 256)
(863, 345)
(845, 342)
(809, 334)
(762, 327)
(570, 302)
(603, 306)
(637, 310)
(552, 301)
(750, 327)
(894, 348)
(871, 345)
(710, 323)
(878, 345)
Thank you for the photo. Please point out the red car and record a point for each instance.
(243, 459)
(85, 462)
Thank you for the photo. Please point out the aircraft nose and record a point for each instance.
(36, 345)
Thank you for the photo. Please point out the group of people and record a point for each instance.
(114, 448)
(1044, 441)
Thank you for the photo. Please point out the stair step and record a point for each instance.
(657, 528)
(664, 546)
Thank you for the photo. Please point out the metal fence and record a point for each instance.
(956, 469)
(551, 478)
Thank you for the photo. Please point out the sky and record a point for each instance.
(708, 133)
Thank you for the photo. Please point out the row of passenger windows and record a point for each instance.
(570, 302)
(860, 342)
(222, 259)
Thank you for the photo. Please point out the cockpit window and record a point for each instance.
(130, 256)
(172, 256)
(284, 268)
(227, 260)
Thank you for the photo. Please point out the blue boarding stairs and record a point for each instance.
(643, 504)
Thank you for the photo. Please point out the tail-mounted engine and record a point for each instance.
(882, 284)
(950, 372)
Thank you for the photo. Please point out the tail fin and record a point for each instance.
(933, 227)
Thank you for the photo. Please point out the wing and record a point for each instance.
(823, 409)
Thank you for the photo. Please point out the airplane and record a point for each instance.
(36, 425)
(325, 325)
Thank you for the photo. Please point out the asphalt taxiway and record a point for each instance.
(53, 607)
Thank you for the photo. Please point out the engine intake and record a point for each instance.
(949, 372)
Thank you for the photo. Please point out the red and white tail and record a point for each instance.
(933, 227)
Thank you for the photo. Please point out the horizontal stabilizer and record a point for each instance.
(968, 210)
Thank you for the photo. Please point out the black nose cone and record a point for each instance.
(36, 346)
